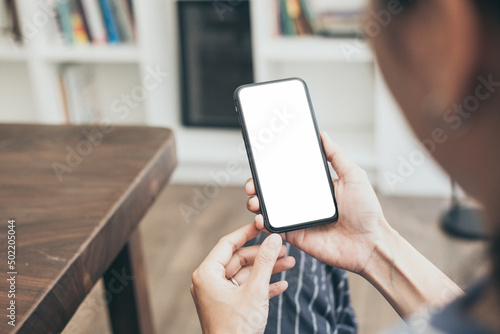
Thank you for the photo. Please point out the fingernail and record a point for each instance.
(327, 136)
(274, 241)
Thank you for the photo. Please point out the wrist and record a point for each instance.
(405, 277)
(381, 260)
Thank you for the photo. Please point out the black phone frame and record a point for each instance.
(253, 168)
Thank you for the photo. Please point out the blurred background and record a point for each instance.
(175, 64)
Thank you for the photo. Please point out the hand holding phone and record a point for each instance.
(361, 227)
(279, 127)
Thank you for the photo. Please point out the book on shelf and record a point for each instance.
(79, 94)
(330, 18)
(95, 24)
(10, 30)
(124, 19)
(63, 15)
(80, 24)
(99, 22)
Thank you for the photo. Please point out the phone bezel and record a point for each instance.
(253, 168)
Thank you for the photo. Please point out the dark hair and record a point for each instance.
(489, 7)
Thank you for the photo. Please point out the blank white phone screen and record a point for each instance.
(287, 156)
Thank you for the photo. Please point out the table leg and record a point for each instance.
(126, 290)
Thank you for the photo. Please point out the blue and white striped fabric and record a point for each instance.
(316, 301)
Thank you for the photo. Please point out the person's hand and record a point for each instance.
(224, 307)
(349, 243)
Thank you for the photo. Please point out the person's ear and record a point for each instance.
(447, 43)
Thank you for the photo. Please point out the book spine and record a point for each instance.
(14, 25)
(92, 12)
(63, 9)
(289, 22)
(110, 21)
(79, 34)
(70, 89)
(55, 31)
(77, 80)
(4, 20)
(279, 26)
(310, 17)
(64, 96)
(301, 20)
(79, 7)
(123, 20)
(129, 11)
(284, 18)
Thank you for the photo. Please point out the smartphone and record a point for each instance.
(286, 155)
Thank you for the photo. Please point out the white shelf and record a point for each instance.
(9, 54)
(359, 144)
(92, 54)
(316, 49)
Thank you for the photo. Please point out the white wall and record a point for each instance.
(404, 166)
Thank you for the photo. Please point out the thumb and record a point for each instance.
(264, 264)
(341, 163)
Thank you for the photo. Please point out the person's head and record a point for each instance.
(441, 60)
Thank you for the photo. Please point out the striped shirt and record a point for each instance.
(317, 299)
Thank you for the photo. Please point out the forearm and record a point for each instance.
(406, 278)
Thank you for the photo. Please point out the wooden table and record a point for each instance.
(77, 195)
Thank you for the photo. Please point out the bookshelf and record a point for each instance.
(350, 98)
(7, 55)
(351, 103)
(92, 54)
(119, 67)
(340, 81)
(282, 48)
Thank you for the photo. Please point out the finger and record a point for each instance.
(283, 264)
(250, 187)
(253, 204)
(245, 257)
(277, 288)
(223, 251)
(264, 264)
(341, 163)
(259, 223)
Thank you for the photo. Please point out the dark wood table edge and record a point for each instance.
(156, 173)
